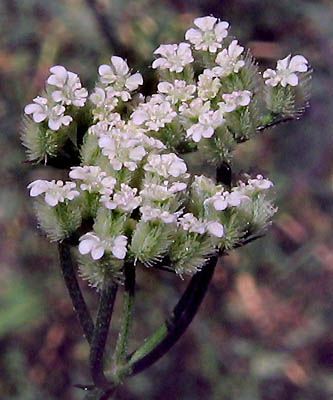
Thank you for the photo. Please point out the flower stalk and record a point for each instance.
(79, 304)
(125, 330)
(99, 339)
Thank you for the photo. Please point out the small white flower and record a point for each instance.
(219, 201)
(55, 191)
(122, 149)
(190, 223)
(259, 183)
(208, 85)
(154, 114)
(222, 200)
(215, 228)
(118, 247)
(105, 103)
(42, 110)
(117, 75)
(155, 192)
(149, 214)
(240, 98)
(174, 57)
(193, 110)
(210, 34)
(69, 85)
(91, 243)
(94, 179)
(228, 60)
(206, 125)
(285, 73)
(177, 92)
(166, 165)
(125, 200)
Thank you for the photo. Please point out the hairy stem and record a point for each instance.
(103, 319)
(123, 337)
(173, 328)
(74, 290)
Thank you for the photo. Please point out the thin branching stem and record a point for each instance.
(103, 319)
(74, 291)
(176, 324)
(276, 122)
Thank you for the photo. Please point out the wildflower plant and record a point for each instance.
(130, 200)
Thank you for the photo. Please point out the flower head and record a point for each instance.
(166, 165)
(239, 98)
(192, 224)
(122, 149)
(94, 179)
(150, 214)
(91, 243)
(210, 34)
(174, 57)
(208, 85)
(42, 110)
(285, 73)
(228, 60)
(70, 90)
(154, 114)
(118, 78)
(178, 92)
(125, 199)
(55, 191)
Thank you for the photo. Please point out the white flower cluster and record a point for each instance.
(94, 179)
(118, 80)
(64, 89)
(116, 83)
(239, 194)
(166, 165)
(55, 191)
(199, 107)
(174, 57)
(91, 243)
(154, 114)
(285, 73)
(131, 175)
(210, 34)
(192, 224)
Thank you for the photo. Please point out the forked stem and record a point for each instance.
(74, 291)
(175, 325)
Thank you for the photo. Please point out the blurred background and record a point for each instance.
(265, 328)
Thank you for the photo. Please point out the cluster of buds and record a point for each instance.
(133, 197)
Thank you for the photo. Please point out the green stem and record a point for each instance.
(129, 294)
(104, 313)
(167, 335)
(74, 290)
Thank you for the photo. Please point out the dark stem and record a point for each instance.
(103, 319)
(274, 123)
(174, 327)
(74, 290)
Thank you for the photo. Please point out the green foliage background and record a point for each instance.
(263, 331)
